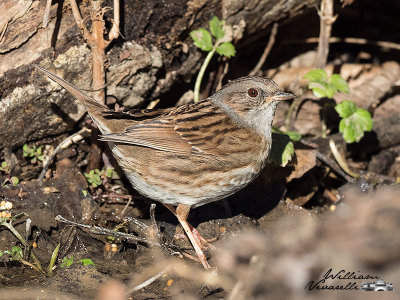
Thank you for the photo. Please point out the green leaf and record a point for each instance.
(339, 83)
(202, 39)
(322, 89)
(318, 75)
(96, 180)
(216, 27)
(226, 49)
(14, 180)
(346, 108)
(282, 149)
(39, 150)
(87, 262)
(85, 193)
(109, 172)
(16, 253)
(67, 262)
(287, 154)
(294, 136)
(25, 150)
(354, 124)
(53, 260)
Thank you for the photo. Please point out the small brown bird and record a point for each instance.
(193, 154)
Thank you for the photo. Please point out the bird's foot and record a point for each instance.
(203, 242)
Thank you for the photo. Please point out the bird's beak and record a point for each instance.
(279, 96)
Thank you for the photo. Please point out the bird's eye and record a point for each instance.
(252, 92)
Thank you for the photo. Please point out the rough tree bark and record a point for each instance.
(155, 52)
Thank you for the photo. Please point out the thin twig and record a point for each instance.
(79, 21)
(153, 216)
(221, 77)
(329, 162)
(27, 234)
(326, 21)
(149, 281)
(64, 144)
(127, 205)
(236, 289)
(351, 40)
(342, 162)
(116, 196)
(267, 49)
(105, 231)
(114, 32)
(46, 13)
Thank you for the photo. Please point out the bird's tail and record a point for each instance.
(96, 110)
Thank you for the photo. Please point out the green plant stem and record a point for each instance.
(276, 130)
(53, 260)
(22, 240)
(288, 118)
(342, 162)
(323, 121)
(201, 73)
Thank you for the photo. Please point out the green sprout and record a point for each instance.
(5, 167)
(94, 177)
(283, 149)
(16, 253)
(203, 40)
(87, 262)
(34, 153)
(67, 262)
(324, 86)
(7, 223)
(355, 121)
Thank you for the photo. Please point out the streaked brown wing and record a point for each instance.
(195, 129)
(156, 134)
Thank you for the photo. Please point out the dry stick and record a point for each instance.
(149, 281)
(238, 287)
(97, 42)
(326, 21)
(105, 231)
(64, 144)
(98, 51)
(114, 32)
(221, 77)
(267, 49)
(79, 22)
(46, 13)
(127, 205)
(340, 160)
(329, 162)
(352, 40)
(153, 217)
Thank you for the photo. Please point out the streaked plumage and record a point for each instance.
(196, 153)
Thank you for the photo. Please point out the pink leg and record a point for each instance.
(182, 212)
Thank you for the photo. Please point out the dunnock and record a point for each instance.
(196, 153)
